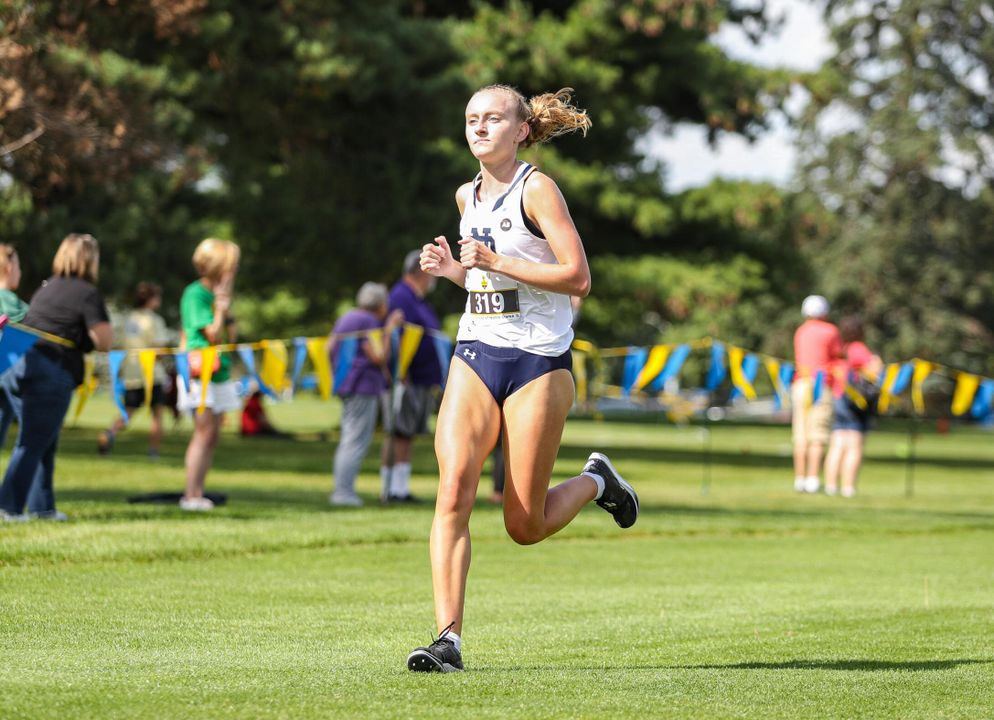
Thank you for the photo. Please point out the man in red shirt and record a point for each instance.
(817, 350)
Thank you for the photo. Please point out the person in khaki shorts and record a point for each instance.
(817, 350)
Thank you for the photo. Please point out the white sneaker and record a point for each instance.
(196, 504)
(830, 491)
(848, 492)
(345, 500)
(799, 484)
(53, 516)
(812, 484)
(11, 518)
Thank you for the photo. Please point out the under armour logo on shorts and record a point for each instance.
(469, 353)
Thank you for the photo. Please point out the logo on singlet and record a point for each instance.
(505, 224)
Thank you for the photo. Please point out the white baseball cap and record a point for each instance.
(815, 306)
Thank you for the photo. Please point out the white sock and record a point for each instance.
(600, 483)
(399, 481)
(455, 639)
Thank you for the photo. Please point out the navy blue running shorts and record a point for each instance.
(505, 370)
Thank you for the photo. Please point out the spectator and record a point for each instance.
(205, 309)
(15, 309)
(363, 385)
(851, 423)
(412, 400)
(143, 328)
(255, 422)
(67, 306)
(816, 348)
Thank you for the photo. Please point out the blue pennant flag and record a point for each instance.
(634, 362)
(816, 390)
(672, 367)
(248, 358)
(786, 378)
(115, 358)
(717, 371)
(750, 366)
(299, 356)
(903, 379)
(981, 407)
(443, 348)
(395, 352)
(346, 354)
(14, 344)
(183, 367)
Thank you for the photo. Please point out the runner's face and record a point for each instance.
(493, 128)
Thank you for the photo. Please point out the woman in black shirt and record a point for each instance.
(69, 306)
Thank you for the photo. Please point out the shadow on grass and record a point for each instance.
(840, 665)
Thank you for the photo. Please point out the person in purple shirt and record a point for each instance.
(411, 401)
(363, 385)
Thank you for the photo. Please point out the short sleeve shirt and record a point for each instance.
(817, 348)
(67, 307)
(196, 309)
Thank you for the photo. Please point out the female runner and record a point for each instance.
(520, 259)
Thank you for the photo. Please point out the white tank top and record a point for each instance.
(501, 311)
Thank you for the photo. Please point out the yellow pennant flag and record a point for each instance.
(322, 365)
(966, 388)
(86, 388)
(773, 369)
(375, 340)
(580, 373)
(410, 341)
(735, 357)
(146, 358)
(207, 356)
(274, 362)
(890, 375)
(653, 366)
(922, 370)
(583, 346)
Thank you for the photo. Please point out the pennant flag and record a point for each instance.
(247, 354)
(207, 358)
(443, 348)
(743, 372)
(818, 387)
(274, 362)
(653, 366)
(375, 340)
(346, 354)
(580, 373)
(183, 367)
(922, 370)
(114, 360)
(299, 356)
(322, 365)
(14, 344)
(716, 371)
(903, 378)
(634, 362)
(981, 407)
(966, 389)
(780, 399)
(890, 376)
(410, 341)
(395, 352)
(86, 388)
(146, 358)
(673, 366)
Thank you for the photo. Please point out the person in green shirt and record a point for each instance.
(205, 314)
(15, 309)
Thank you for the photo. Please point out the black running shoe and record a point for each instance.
(440, 656)
(618, 497)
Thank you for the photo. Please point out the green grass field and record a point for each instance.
(745, 601)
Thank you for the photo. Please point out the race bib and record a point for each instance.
(494, 303)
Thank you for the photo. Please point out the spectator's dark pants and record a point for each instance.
(46, 389)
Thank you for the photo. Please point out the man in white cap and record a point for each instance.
(817, 348)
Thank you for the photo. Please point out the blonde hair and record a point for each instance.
(213, 258)
(7, 255)
(77, 256)
(548, 115)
